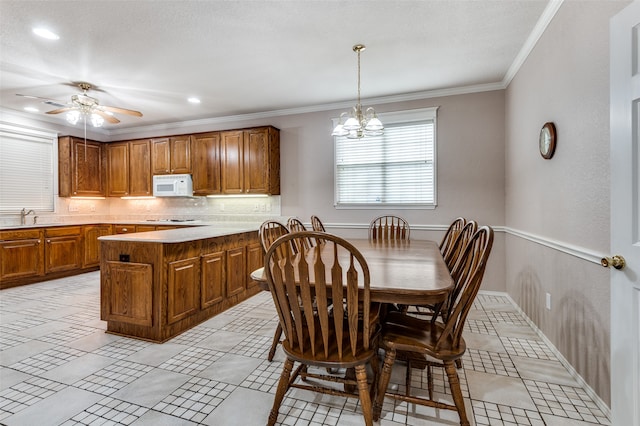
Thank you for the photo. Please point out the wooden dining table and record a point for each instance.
(404, 272)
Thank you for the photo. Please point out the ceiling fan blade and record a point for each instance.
(44, 100)
(59, 110)
(111, 119)
(121, 110)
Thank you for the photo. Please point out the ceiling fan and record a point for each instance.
(87, 107)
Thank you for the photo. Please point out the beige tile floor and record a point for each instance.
(59, 367)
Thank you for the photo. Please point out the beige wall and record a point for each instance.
(470, 169)
(563, 202)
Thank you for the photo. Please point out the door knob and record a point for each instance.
(616, 261)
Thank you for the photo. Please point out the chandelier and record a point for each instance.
(356, 124)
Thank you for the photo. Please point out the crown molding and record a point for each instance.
(545, 19)
(211, 122)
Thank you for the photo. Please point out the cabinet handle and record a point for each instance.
(124, 229)
(38, 241)
(49, 241)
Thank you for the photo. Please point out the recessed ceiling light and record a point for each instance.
(45, 33)
(194, 100)
(31, 109)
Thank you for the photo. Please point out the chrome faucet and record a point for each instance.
(23, 215)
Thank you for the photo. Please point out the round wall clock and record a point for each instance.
(547, 140)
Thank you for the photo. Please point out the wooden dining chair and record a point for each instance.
(319, 333)
(389, 228)
(450, 236)
(460, 243)
(295, 225)
(317, 225)
(268, 232)
(442, 341)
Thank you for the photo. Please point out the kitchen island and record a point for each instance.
(155, 285)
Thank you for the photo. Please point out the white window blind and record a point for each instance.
(395, 169)
(26, 169)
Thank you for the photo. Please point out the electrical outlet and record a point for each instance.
(221, 207)
(74, 208)
(263, 207)
(92, 208)
(256, 207)
(548, 301)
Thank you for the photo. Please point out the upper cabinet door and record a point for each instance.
(262, 161)
(81, 168)
(232, 144)
(171, 155)
(118, 169)
(180, 154)
(160, 156)
(140, 168)
(205, 149)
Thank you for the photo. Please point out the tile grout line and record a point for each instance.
(572, 371)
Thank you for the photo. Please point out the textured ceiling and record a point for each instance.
(243, 57)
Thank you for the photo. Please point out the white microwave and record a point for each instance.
(172, 186)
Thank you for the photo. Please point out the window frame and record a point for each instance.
(396, 117)
(49, 137)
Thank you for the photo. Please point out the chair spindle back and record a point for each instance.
(303, 286)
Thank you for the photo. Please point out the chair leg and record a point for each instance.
(276, 340)
(459, 363)
(456, 392)
(430, 381)
(375, 366)
(283, 385)
(407, 378)
(389, 359)
(365, 398)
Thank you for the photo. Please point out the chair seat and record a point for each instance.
(411, 334)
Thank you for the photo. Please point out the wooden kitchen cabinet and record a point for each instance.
(183, 282)
(255, 260)
(262, 161)
(129, 168)
(173, 285)
(205, 149)
(63, 248)
(171, 155)
(232, 143)
(81, 168)
(251, 161)
(21, 254)
(212, 279)
(126, 294)
(118, 169)
(236, 271)
(140, 168)
(91, 233)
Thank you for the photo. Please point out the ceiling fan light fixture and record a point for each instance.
(96, 120)
(45, 33)
(193, 100)
(73, 117)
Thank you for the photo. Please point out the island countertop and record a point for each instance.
(197, 231)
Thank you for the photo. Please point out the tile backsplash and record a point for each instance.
(224, 208)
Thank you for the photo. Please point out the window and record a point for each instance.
(27, 167)
(397, 169)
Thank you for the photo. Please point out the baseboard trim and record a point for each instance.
(599, 402)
